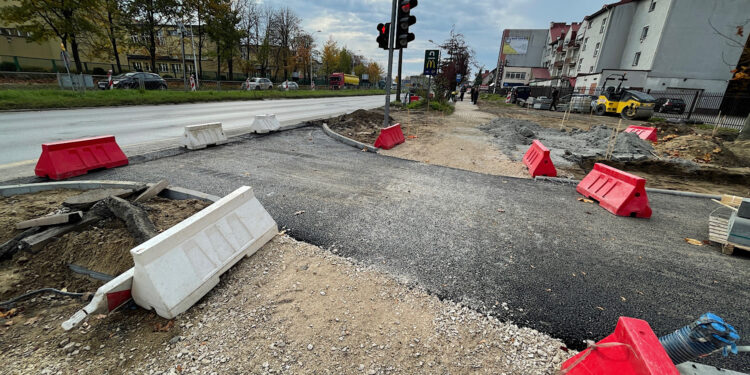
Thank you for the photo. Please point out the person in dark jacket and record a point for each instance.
(555, 95)
(474, 95)
(463, 91)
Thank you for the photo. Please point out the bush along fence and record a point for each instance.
(729, 110)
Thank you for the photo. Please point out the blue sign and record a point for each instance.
(458, 78)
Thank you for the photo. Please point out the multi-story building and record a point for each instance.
(561, 52)
(662, 44)
(519, 48)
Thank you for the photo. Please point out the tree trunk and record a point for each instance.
(76, 56)
(230, 68)
(113, 40)
(200, 45)
(152, 48)
(745, 132)
(218, 62)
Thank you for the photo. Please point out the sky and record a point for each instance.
(352, 23)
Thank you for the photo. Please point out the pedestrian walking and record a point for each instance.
(555, 95)
(463, 91)
(475, 95)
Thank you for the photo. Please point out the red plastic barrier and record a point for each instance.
(631, 349)
(538, 162)
(390, 137)
(618, 192)
(644, 132)
(60, 160)
(414, 98)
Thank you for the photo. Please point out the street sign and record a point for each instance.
(458, 78)
(431, 57)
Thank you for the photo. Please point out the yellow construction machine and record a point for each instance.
(630, 104)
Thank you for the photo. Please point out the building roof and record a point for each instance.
(557, 30)
(607, 7)
(540, 73)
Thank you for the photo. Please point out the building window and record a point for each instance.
(636, 58)
(652, 6)
(176, 68)
(596, 49)
(515, 75)
(644, 33)
(163, 67)
(134, 38)
(585, 42)
(604, 23)
(137, 66)
(591, 69)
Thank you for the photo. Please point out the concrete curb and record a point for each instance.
(176, 193)
(348, 141)
(650, 190)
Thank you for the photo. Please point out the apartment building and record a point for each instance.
(661, 44)
(520, 49)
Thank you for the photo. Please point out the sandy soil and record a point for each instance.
(453, 141)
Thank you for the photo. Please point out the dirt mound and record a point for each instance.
(741, 150)
(103, 247)
(698, 148)
(361, 125)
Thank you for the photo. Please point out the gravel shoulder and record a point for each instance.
(293, 308)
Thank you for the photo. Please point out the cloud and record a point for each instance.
(352, 23)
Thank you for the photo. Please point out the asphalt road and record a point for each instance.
(22, 133)
(561, 266)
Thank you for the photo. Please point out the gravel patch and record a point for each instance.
(295, 308)
(567, 148)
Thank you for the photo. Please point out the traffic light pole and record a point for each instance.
(389, 80)
(398, 83)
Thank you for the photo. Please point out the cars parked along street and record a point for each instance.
(151, 81)
(670, 105)
(288, 85)
(257, 83)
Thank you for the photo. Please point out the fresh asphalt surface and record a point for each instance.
(561, 266)
(22, 133)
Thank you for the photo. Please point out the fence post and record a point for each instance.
(54, 65)
(692, 105)
(15, 61)
(85, 67)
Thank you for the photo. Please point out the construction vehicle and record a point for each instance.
(630, 104)
(340, 81)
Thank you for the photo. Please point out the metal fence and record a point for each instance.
(707, 107)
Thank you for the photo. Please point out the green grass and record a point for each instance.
(54, 98)
(494, 99)
(434, 105)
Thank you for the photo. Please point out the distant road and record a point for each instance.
(22, 133)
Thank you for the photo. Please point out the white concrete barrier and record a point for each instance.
(200, 136)
(265, 123)
(108, 297)
(179, 266)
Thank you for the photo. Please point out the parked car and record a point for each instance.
(519, 94)
(257, 84)
(151, 81)
(288, 85)
(670, 105)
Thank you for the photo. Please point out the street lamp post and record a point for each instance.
(312, 82)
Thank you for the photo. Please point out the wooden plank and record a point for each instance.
(69, 217)
(731, 200)
(152, 191)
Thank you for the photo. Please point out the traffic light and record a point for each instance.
(384, 32)
(403, 21)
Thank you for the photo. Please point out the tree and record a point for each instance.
(285, 27)
(66, 20)
(330, 58)
(223, 18)
(345, 61)
(146, 21)
(458, 60)
(360, 69)
(375, 71)
(103, 42)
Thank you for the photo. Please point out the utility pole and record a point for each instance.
(195, 61)
(389, 80)
(499, 62)
(398, 83)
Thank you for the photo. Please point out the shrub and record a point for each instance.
(98, 71)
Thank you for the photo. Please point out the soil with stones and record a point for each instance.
(103, 247)
(685, 157)
(361, 125)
